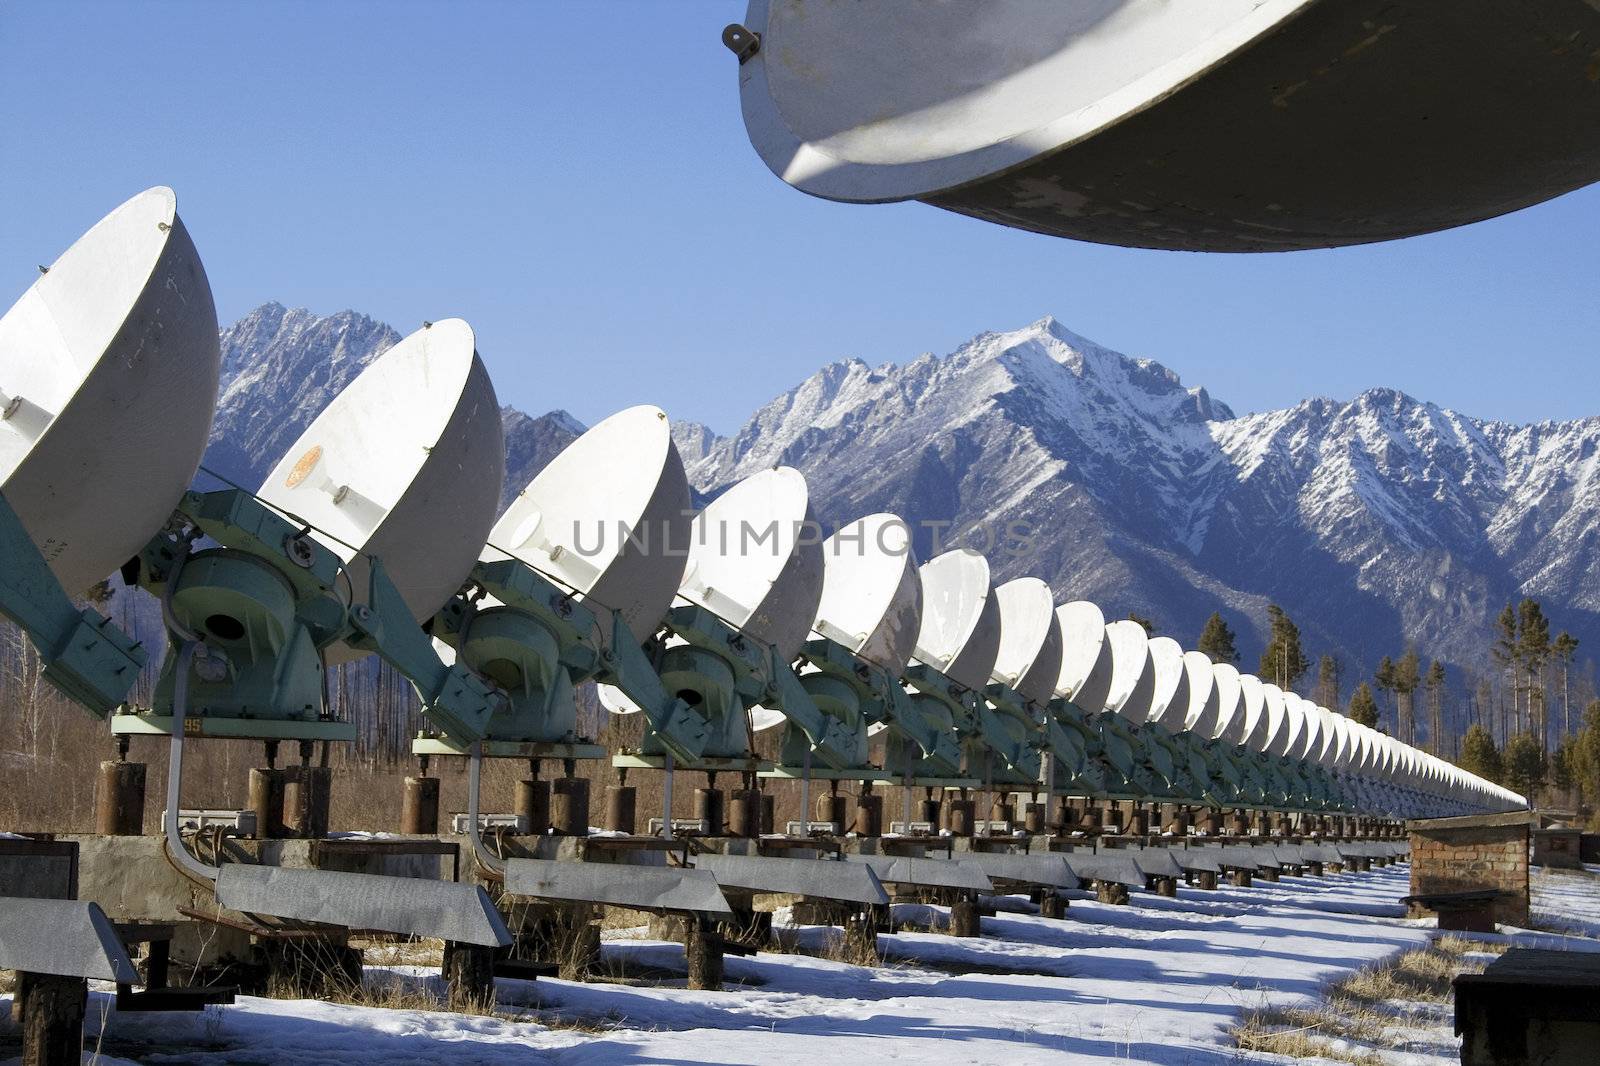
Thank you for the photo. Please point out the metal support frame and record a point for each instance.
(85, 657)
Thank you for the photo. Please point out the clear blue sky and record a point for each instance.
(574, 179)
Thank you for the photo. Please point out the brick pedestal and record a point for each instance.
(1475, 853)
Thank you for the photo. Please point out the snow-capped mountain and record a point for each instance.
(1374, 522)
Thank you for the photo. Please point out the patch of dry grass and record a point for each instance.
(1368, 1008)
(1264, 1032)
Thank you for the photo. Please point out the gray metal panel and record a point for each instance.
(1156, 862)
(1266, 855)
(1105, 866)
(617, 884)
(414, 906)
(1242, 858)
(65, 937)
(36, 876)
(1319, 853)
(821, 878)
(1196, 860)
(929, 873)
(1030, 869)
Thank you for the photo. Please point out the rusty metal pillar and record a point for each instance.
(569, 805)
(307, 795)
(119, 799)
(533, 801)
(1033, 816)
(869, 814)
(622, 805)
(928, 811)
(1065, 817)
(744, 812)
(769, 812)
(266, 800)
(831, 809)
(963, 815)
(419, 807)
(1139, 822)
(1206, 879)
(708, 809)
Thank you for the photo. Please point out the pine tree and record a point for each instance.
(1524, 765)
(1533, 646)
(1587, 751)
(1563, 762)
(1217, 640)
(1383, 678)
(1405, 676)
(1363, 708)
(1328, 670)
(1565, 647)
(1148, 623)
(1479, 755)
(1434, 682)
(1504, 651)
(1283, 662)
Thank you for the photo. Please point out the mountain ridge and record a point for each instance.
(1374, 521)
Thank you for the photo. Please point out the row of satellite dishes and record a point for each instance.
(108, 378)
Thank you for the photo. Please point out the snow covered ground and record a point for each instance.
(1156, 982)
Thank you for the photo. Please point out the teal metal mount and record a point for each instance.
(535, 646)
(85, 657)
(265, 604)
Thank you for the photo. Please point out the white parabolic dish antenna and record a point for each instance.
(1269, 729)
(871, 596)
(406, 464)
(1204, 698)
(1230, 703)
(960, 632)
(1086, 662)
(108, 383)
(1029, 659)
(1253, 703)
(755, 562)
(1223, 125)
(1169, 703)
(608, 517)
(1133, 678)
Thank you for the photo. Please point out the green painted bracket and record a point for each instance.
(676, 725)
(85, 657)
(830, 739)
(618, 661)
(763, 678)
(455, 698)
(1010, 731)
(1088, 776)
